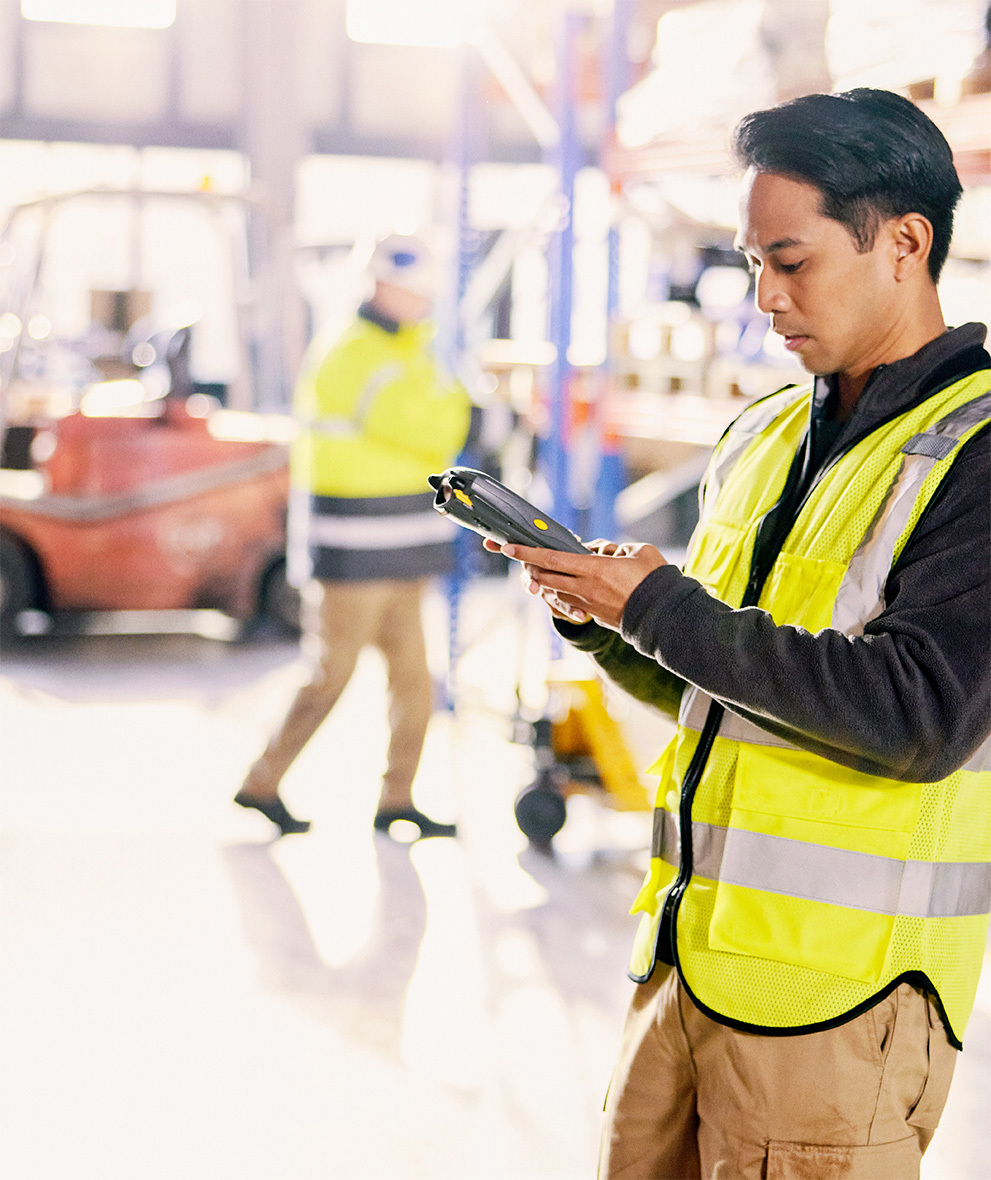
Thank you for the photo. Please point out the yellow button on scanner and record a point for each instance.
(463, 497)
(541, 524)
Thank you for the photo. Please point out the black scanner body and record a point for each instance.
(486, 506)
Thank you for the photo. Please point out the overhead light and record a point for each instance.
(10, 326)
(140, 14)
(438, 24)
(116, 399)
(39, 327)
(722, 289)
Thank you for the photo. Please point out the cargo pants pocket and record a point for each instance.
(809, 1161)
(925, 1114)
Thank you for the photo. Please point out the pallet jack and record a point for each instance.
(582, 749)
(579, 747)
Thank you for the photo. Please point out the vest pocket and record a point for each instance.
(802, 591)
(716, 556)
(816, 883)
(804, 933)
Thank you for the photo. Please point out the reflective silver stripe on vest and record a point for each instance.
(980, 760)
(859, 880)
(742, 433)
(376, 382)
(380, 532)
(707, 843)
(860, 597)
(695, 708)
(334, 427)
(835, 876)
(348, 425)
(665, 840)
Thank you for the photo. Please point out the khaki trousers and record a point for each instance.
(691, 1098)
(341, 618)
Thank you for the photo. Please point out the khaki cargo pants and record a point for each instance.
(693, 1099)
(342, 618)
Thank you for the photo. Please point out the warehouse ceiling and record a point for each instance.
(223, 64)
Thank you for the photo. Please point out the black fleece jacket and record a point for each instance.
(911, 698)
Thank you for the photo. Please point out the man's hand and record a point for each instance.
(577, 587)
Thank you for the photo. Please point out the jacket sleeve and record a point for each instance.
(430, 419)
(331, 379)
(401, 404)
(639, 675)
(910, 699)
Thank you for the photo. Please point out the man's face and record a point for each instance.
(407, 307)
(835, 307)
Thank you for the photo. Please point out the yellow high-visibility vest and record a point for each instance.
(377, 415)
(813, 886)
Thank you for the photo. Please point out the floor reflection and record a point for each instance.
(365, 997)
(184, 999)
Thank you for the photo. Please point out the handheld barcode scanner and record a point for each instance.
(486, 506)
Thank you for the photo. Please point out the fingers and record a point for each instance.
(535, 575)
(569, 611)
(573, 614)
(579, 587)
(548, 559)
(576, 563)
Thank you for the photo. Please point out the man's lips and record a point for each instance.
(793, 340)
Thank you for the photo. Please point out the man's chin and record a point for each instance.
(817, 366)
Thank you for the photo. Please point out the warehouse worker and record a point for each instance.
(815, 915)
(377, 416)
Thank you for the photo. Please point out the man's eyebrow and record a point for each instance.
(772, 247)
(782, 244)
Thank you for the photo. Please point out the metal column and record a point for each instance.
(566, 158)
(466, 152)
(611, 475)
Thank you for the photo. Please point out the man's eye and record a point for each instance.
(789, 268)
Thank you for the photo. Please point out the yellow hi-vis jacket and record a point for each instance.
(808, 888)
(377, 415)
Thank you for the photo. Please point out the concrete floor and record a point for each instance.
(183, 999)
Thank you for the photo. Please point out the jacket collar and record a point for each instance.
(368, 311)
(893, 389)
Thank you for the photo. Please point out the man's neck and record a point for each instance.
(905, 339)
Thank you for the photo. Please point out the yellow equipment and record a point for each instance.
(582, 748)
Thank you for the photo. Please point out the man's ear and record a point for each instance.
(911, 239)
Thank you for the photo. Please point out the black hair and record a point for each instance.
(872, 154)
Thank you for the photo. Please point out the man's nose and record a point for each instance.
(770, 293)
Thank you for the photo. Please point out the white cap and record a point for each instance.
(406, 261)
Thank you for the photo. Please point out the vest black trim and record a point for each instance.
(377, 537)
(917, 979)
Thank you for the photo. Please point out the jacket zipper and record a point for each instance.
(693, 777)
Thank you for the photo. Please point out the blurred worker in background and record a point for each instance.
(816, 912)
(377, 416)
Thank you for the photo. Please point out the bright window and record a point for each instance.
(437, 23)
(142, 14)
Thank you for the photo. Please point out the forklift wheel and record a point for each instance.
(17, 583)
(540, 813)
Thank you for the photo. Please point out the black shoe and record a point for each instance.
(428, 827)
(275, 810)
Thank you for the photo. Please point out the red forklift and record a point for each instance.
(126, 484)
